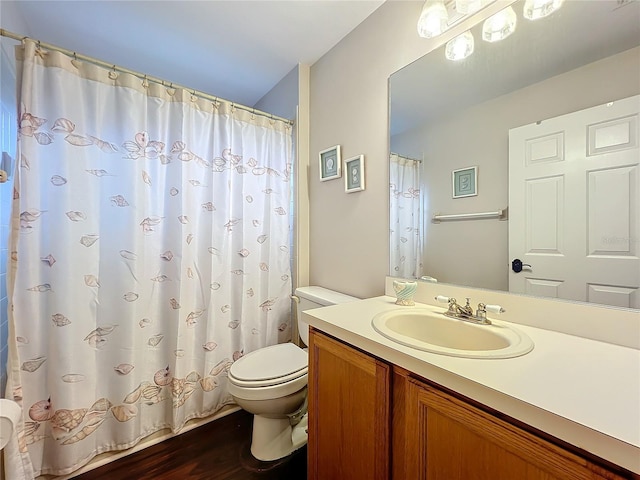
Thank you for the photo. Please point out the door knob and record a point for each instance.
(517, 265)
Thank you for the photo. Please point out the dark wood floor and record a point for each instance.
(218, 450)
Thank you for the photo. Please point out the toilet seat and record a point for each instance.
(270, 366)
(269, 382)
(269, 372)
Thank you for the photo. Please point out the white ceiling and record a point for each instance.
(235, 49)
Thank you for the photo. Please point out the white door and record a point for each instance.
(574, 205)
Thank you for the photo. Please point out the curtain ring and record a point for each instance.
(39, 52)
(75, 61)
(113, 74)
(194, 98)
(145, 82)
(171, 90)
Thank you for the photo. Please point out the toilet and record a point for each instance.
(271, 383)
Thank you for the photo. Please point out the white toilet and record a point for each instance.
(271, 383)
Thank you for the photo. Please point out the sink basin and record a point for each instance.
(431, 331)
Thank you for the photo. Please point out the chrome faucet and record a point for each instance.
(458, 310)
(466, 312)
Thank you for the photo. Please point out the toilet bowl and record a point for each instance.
(271, 383)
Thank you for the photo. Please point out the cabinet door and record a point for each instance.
(453, 440)
(348, 413)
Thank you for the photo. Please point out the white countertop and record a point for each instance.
(579, 390)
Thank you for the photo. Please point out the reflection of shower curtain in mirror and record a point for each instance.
(406, 242)
(150, 250)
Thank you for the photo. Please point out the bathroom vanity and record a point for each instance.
(380, 410)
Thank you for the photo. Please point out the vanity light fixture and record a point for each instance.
(499, 26)
(460, 47)
(535, 9)
(433, 19)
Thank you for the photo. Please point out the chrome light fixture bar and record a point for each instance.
(471, 6)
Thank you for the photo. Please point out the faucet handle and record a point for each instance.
(453, 306)
(481, 313)
(494, 309)
(483, 309)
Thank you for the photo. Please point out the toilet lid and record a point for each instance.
(270, 363)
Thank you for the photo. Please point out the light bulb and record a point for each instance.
(499, 26)
(459, 47)
(534, 9)
(433, 19)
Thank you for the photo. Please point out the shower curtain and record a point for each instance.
(150, 250)
(406, 232)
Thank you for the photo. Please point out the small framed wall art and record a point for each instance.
(465, 182)
(330, 163)
(354, 174)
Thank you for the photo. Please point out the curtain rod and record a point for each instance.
(407, 158)
(142, 76)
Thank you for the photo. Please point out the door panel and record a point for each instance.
(545, 216)
(611, 194)
(349, 402)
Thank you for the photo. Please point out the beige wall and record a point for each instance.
(481, 260)
(349, 233)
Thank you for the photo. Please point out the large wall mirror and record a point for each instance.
(539, 132)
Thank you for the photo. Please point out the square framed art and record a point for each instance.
(354, 174)
(330, 163)
(465, 182)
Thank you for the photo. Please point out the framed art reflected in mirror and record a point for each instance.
(465, 182)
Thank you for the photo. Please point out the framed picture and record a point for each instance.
(354, 174)
(465, 182)
(330, 163)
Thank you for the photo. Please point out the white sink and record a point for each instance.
(431, 331)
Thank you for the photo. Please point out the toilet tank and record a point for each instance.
(316, 297)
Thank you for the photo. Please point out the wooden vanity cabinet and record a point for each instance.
(447, 438)
(349, 401)
(370, 420)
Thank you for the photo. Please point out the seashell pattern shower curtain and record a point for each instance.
(149, 251)
(406, 242)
